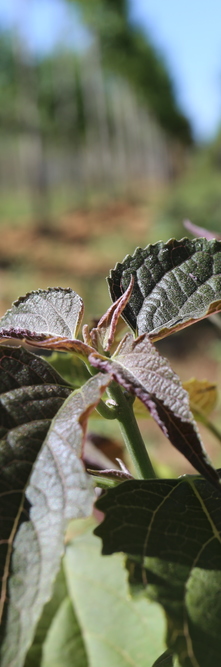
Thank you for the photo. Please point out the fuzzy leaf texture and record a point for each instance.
(141, 370)
(172, 528)
(176, 284)
(31, 394)
(53, 312)
(47, 319)
(203, 398)
(59, 489)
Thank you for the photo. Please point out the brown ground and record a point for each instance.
(74, 239)
(82, 245)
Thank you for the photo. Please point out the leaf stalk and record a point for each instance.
(105, 411)
(131, 433)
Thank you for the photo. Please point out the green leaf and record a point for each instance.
(118, 631)
(64, 646)
(186, 502)
(141, 370)
(176, 284)
(203, 396)
(34, 656)
(52, 312)
(70, 367)
(173, 528)
(165, 660)
(59, 490)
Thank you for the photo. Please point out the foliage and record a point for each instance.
(182, 573)
(169, 529)
(8, 78)
(181, 277)
(129, 53)
(126, 52)
(20, 78)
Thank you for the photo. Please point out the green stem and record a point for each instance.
(131, 433)
(105, 411)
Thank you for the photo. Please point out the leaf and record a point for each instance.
(52, 312)
(165, 660)
(138, 366)
(58, 640)
(103, 336)
(200, 231)
(64, 646)
(186, 502)
(59, 490)
(173, 529)
(48, 319)
(176, 284)
(203, 396)
(70, 367)
(31, 394)
(118, 631)
(34, 656)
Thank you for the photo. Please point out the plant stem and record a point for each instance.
(131, 433)
(105, 411)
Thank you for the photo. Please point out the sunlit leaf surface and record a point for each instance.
(203, 397)
(52, 312)
(59, 489)
(176, 284)
(31, 394)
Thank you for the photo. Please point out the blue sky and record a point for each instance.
(187, 33)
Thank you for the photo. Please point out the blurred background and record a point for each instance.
(110, 136)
